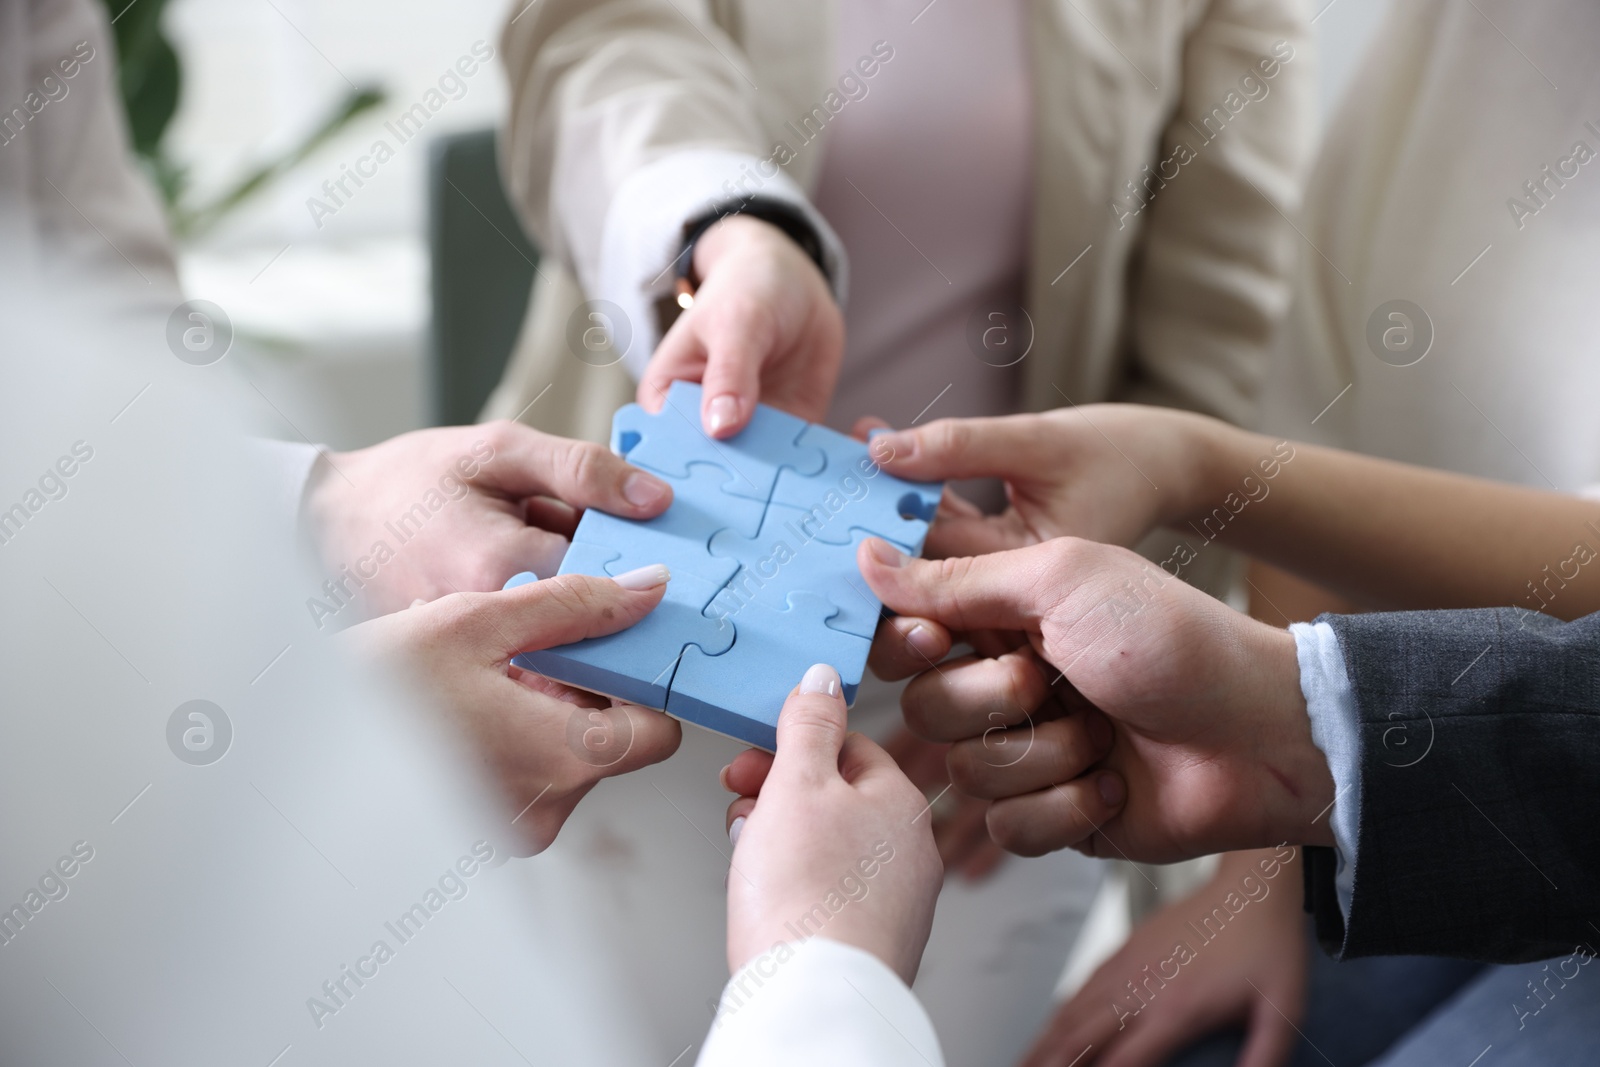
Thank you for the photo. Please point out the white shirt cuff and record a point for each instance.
(643, 234)
(819, 1001)
(1335, 729)
(285, 469)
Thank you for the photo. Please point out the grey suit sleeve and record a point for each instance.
(1479, 830)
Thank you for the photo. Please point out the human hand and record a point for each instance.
(764, 328)
(545, 744)
(959, 830)
(828, 839)
(1212, 749)
(463, 508)
(1255, 976)
(1107, 472)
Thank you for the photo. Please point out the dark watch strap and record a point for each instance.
(785, 216)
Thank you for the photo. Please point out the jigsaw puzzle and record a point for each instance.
(760, 539)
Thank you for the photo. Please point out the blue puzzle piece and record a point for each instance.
(787, 557)
(636, 664)
(680, 536)
(854, 493)
(740, 693)
(669, 441)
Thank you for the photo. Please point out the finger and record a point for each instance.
(525, 463)
(536, 550)
(865, 425)
(974, 535)
(905, 646)
(740, 338)
(948, 449)
(1080, 1024)
(1153, 1039)
(961, 832)
(739, 809)
(679, 356)
(1066, 815)
(1269, 1037)
(811, 730)
(555, 611)
(985, 858)
(551, 515)
(748, 771)
(622, 738)
(1030, 757)
(1006, 590)
(970, 696)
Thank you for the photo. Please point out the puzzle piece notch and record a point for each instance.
(786, 558)
(740, 694)
(669, 441)
(636, 664)
(854, 493)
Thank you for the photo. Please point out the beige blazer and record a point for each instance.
(1164, 103)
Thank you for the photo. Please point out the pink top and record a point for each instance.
(928, 180)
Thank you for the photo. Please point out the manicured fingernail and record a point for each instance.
(889, 445)
(924, 641)
(820, 678)
(1111, 789)
(647, 577)
(643, 490)
(885, 553)
(722, 412)
(735, 828)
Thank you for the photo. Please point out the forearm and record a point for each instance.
(1388, 536)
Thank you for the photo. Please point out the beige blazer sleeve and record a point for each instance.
(1212, 276)
(628, 119)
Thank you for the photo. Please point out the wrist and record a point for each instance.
(1218, 456)
(1298, 787)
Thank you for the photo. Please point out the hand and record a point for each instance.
(828, 839)
(1212, 749)
(1109, 472)
(463, 508)
(545, 744)
(959, 830)
(764, 328)
(1255, 975)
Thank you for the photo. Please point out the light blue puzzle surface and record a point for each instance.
(741, 619)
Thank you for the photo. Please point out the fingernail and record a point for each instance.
(885, 553)
(820, 678)
(1111, 789)
(722, 412)
(924, 641)
(642, 578)
(735, 828)
(890, 445)
(417, 603)
(722, 778)
(643, 490)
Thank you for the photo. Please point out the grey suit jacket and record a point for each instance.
(1479, 833)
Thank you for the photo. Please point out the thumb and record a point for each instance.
(568, 608)
(1000, 591)
(811, 729)
(1269, 1038)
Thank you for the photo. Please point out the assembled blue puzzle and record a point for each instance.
(761, 539)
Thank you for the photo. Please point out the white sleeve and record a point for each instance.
(643, 233)
(819, 1002)
(284, 468)
(1336, 730)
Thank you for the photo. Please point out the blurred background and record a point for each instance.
(334, 321)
